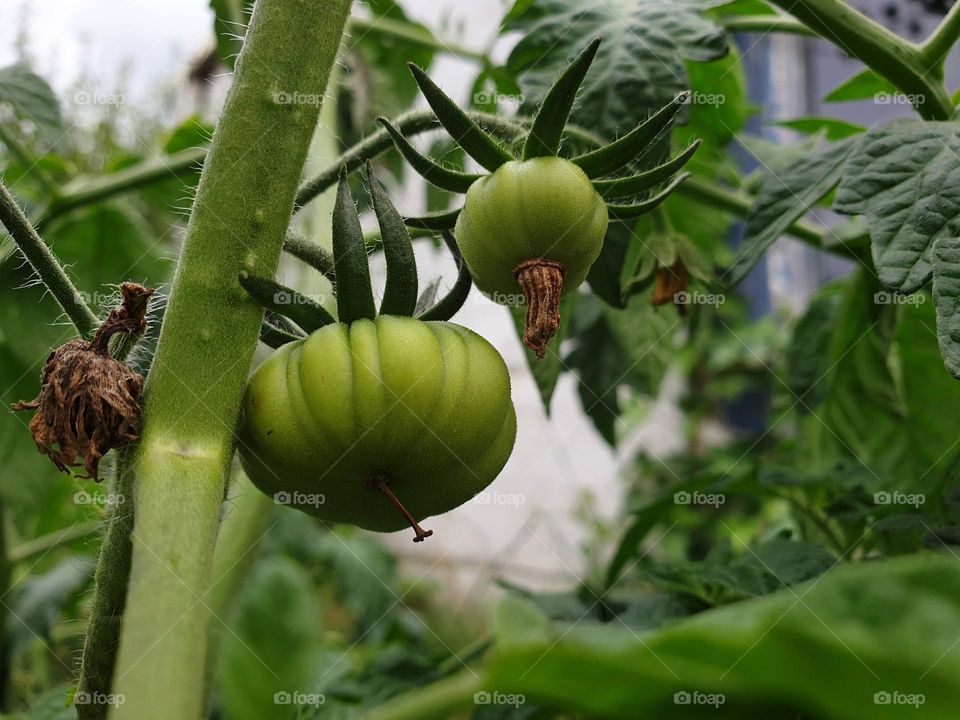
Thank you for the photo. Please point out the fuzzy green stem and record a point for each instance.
(764, 24)
(87, 191)
(412, 123)
(440, 700)
(45, 264)
(210, 330)
(411, 33)
(935, 48)
(51, 541)
(888, 55)
(109, 598)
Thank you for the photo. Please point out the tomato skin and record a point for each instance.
(544, 207)
(425, 403)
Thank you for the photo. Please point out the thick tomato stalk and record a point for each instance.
(379, 423)
(530, 232)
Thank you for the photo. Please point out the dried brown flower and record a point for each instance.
(89, 402)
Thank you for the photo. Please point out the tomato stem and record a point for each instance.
(382, 483)
(542, 283)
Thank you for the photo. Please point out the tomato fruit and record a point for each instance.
(356, 416)
(544, 208)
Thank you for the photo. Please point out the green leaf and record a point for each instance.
(902, 178)
(831, 128)
(273, 640)
(946, 297)
(547, 371)
(785, 197)
(808, 356)
(878, 627)
(354, 292)
(30, 98)
(400, 293)
(644, 46)
(37, 602)
(862, 86)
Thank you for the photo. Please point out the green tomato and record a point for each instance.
(542, 208)
(420, 408)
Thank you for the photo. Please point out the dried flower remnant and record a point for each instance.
(669, 284)
(89, 402)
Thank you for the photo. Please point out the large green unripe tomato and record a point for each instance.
(352, 418)
(533, 228)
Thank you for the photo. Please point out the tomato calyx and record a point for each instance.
(542, 284)
(89, 401)
(381, 481)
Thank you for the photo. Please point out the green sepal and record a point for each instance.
(450, 304)
(311, 253)
(470, 136)
(445, 220)
(400, 292)
(432, 172)
(641, 182)
(286, 302)
(627, 212)
(354, 292)
(546, 133)
(620, 153)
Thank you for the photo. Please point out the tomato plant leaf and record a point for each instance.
(831, 128)
(784, 198)
(271, 646)
(862, 86)
(902, 178)
(644, 46)
(946, 298)
(739, 650)
(29, 97)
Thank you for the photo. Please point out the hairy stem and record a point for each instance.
(888, 55)
(210, 330)
(405, 31)
(87, 191)
(441, 700)
(109, 597)
(764, 24)
(45, 264)
(51, 541)
(935, 49)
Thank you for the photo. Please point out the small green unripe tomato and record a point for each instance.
(379, 423)
(533, 227)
